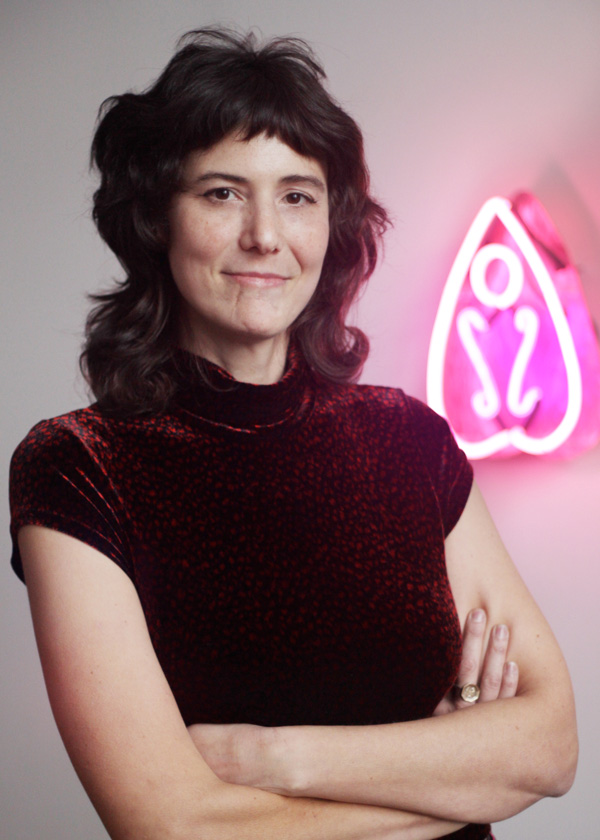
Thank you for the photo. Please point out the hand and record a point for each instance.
(497, 678)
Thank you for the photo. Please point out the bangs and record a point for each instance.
(257, 107)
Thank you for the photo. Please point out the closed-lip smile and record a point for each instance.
(257, 278)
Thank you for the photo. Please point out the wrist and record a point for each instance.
(286, 751)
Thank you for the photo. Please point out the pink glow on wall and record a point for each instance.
(514, 363)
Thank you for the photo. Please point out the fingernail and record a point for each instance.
(501, 631)
(510, 669)
(478, 616)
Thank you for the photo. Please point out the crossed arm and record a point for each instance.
(414, 781)
(481, 764)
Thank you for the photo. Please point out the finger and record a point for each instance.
(468, 672)
(445, 706)
(510, 680)
(493, 664)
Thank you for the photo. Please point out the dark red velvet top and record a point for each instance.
(286, 542)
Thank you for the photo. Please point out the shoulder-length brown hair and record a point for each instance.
(219, 82)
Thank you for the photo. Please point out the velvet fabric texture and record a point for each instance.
(286, 541)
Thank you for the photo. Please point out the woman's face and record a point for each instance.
(248, 235)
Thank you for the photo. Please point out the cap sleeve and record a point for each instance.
(58, 479)
(450, 472)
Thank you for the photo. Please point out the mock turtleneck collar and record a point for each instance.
(210, 392)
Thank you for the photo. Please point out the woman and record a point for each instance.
(248, 576)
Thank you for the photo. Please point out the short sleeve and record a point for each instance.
(447, 465)
(58, 480)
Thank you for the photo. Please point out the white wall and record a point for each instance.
(459, 99)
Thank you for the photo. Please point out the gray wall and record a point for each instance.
(459, 99)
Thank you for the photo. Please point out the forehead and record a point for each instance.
(260, 157)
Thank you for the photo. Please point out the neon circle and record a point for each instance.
(478, 270)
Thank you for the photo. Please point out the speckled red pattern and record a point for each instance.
(286, 541)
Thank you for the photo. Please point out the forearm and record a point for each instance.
(183, 800)
(478, 765)
(231, 812)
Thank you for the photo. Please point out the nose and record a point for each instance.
(261, 230)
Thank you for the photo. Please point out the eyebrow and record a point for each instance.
(309, 180)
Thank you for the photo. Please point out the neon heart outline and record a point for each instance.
(517, 436)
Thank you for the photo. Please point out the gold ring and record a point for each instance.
(470, 693)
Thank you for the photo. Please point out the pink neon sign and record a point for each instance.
(513, 363)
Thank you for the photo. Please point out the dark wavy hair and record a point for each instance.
(218, 82)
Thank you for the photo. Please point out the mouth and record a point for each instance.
(257, 279)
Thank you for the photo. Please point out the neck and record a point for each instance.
(208, 391)
(257, 362)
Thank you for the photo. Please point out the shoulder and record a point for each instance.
(406, 433)
(61, 435)
(386, 407)
(366, 398)
(73, 448)
(60, 479)
(56, 427)
(85, 429)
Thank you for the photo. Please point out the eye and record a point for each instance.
(296, 198)
(220, 194)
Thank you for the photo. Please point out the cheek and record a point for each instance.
(194, 248)
(314, 246)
